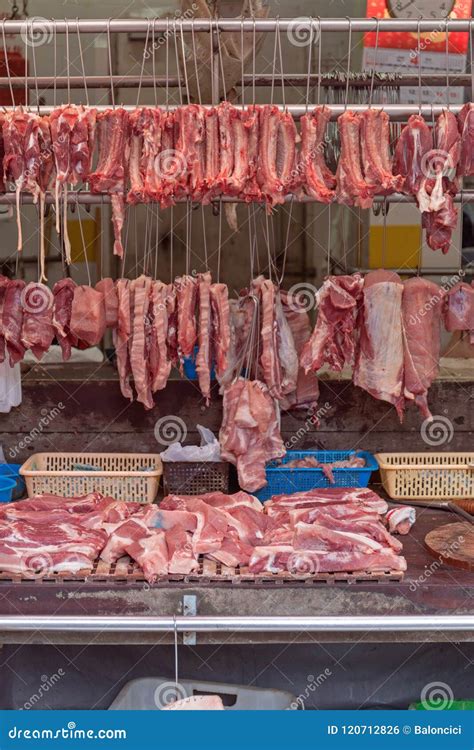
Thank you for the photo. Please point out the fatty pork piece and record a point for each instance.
(37, 331)
(459, 311)
(439, 225)
(376, 157)
(181, 557)
(211, 523)
(422, 309)
(466, 130)
(203, 358)
(250, 435)
(110, 173)
(440, 164)
(151, 553)
(32, 549)
(63, 293)
(121, 336)
(380, 357)
(186, 295)
(333, 340)
(220, 326)
(107, 288)
(352, 188)
(12, 320)
(315, 177)
(276, 172)
(284, 558)
(306, 393)
(87, 322)
(366, 500)
(161, 363)
(400, 519)
(414, 143)
(138, 343)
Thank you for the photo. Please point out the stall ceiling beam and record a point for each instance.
(160, 25)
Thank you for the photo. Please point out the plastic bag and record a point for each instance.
(209, 450)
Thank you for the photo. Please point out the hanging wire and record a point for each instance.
(84, 77)
(153, 64)
(204, 237)
(242, 67)
(272, 90)
(254, 60)
(219, 243)
(109, 50)
(384, 239)
(196, 70)
(377, 21)
(157, 241)
(171, 240)
(55, 61)
(83, 238)
(68, 70)
(25, 70)
(167, 62)
(310, 55)
(419, 65)
(287, 242)
(447, 61)
(329, 268)
(471, 61)
(33, 53)
(349, 52)
(185, 67)
(320, 48)
(142, 70)
(7, 64)
(180, 89)
(281, 64)
(221, 62)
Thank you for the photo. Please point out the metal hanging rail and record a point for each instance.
(397, 112)
(86, 198)
(276, 624)
(291, 79)
(131, 25)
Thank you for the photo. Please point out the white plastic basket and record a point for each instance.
(123, 476)
(427, 476)
(151, 693)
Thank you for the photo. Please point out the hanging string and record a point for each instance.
(68, 70)
(7, 64)
(471, 60)
(242, 67)
(25, 70)
(254, 61)
(272, 90)
(167, 63)
(177, 62)
(145, 49)
(204, 235)
(84, 77)
(447, 62)
(109, 51)
(287, 241)
(419, 66)
(55, 63)
(84, 249)
(281, 64)
(308, 72)
(349, 52)
(196, 71)
(377, 21)
(219, 245)
(185, 67)
(171, 241)
(153, 62)
(221, 62)
(320, 48)
(329, 268)
(33, 53)
(157, 241)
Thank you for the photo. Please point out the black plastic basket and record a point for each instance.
(195, 477)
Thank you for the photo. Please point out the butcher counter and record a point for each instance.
(82, 409)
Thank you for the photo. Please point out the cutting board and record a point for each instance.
(453, 544)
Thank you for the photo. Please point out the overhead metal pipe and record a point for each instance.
(276, 624)
(162, 25)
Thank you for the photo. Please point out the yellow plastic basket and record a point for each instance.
(123, 476)
(427, 476)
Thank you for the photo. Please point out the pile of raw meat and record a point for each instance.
(201, 153)
(389, 331)
(320, 531)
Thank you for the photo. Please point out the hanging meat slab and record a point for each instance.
(63, 293)
(380, 356)
(422, 310)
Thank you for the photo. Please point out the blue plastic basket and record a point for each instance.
(189, 365)
(283, 481)
(7, 486)
(12, 471)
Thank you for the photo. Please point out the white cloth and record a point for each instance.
(10, 387)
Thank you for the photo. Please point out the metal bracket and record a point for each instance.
(189, 610)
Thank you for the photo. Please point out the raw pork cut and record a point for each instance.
(422, 309)
(12, 320)
(351, 189)
(459, 312)
(203, 358)
(63, 292)
(37, 331)
(109, 292)
(315, 177)
(376, 157)
(414, 143)
(466, 129)
(276, 172)
(151, 553)
(333, 340)
(380, 357)
(87, 322)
